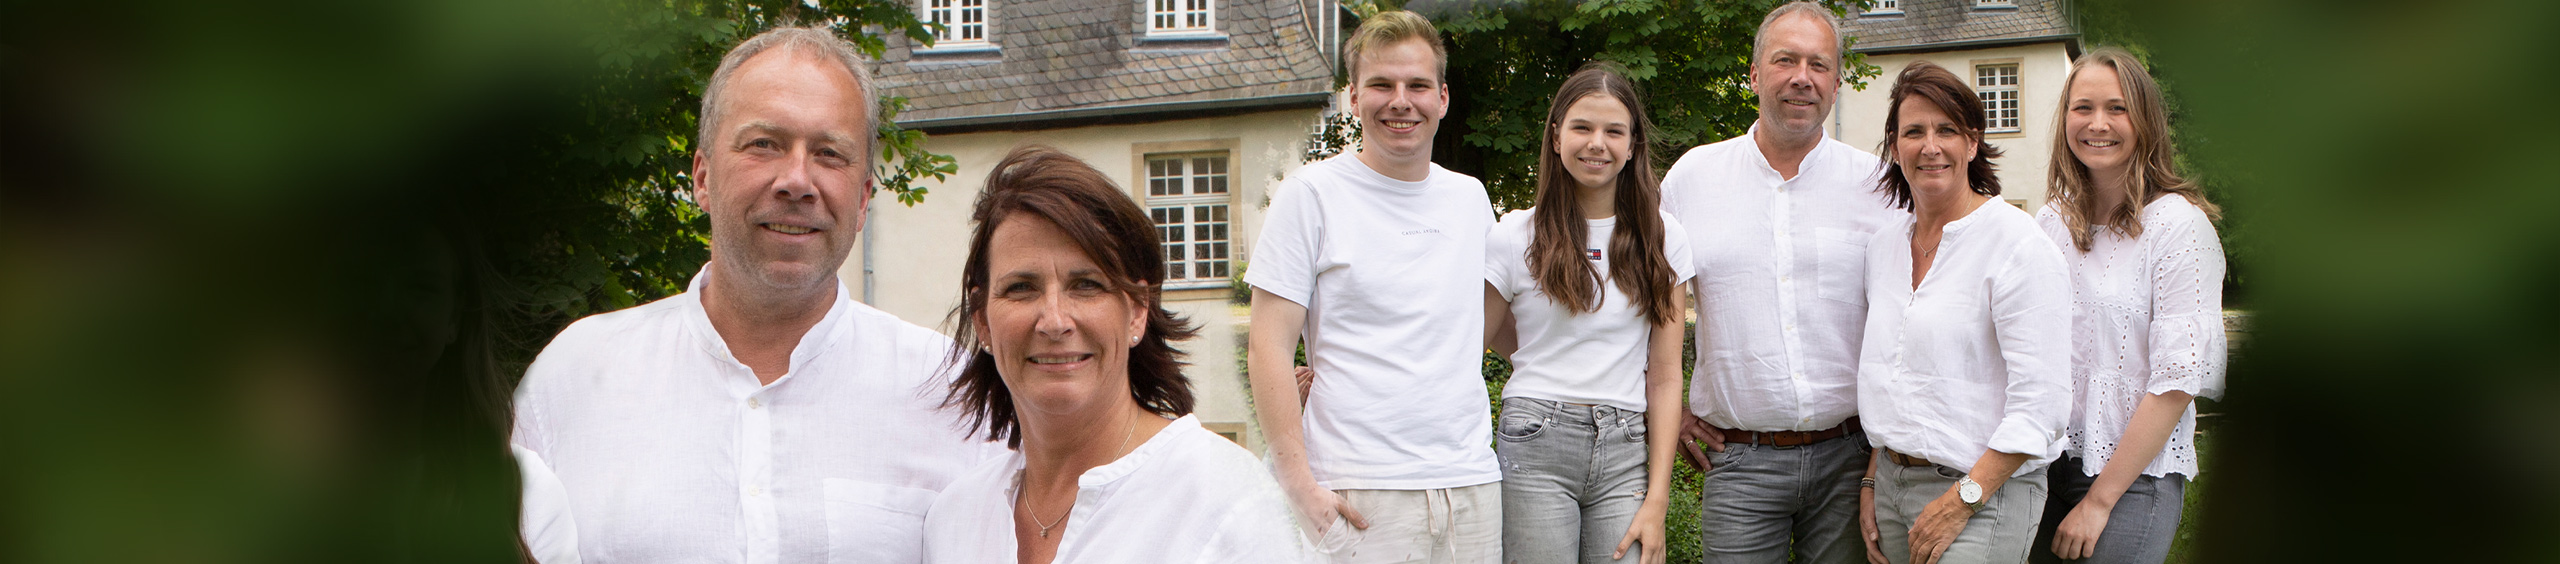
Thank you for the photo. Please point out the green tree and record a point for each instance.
(1507, 58)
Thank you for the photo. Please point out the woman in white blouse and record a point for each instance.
(2146, 317)
(1067, 356)
(1961, 375)
(1582, 292)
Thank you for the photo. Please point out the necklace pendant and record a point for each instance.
(1044, 533)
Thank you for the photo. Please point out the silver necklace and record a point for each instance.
(1062, 517)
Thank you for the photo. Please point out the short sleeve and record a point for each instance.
(1506, 249)
(2189, 350)
(1675, 248)
(1284, 254)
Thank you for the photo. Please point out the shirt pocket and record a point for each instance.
(869, 522)
(1841, 261)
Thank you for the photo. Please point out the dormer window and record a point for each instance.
(964, 21)
(1181, 17)
(1885, 8)
(1995, 4)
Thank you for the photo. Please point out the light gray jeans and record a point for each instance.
(2002, 531)
(2140, 529)
(1573, 477)
(1761, 502)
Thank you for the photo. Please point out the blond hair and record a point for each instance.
(2154, 167)
(1389, 28)
(813, 40)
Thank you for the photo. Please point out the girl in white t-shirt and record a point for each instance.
(1582, 293)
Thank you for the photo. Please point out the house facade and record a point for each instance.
(1196, 108)
(2016, 53)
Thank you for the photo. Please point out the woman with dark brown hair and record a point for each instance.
(1582, 294)
(1066, 354)
(2146, 285)
(1961, 373)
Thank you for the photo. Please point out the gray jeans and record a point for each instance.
(2002, 531)
(1572, 479)
(1759, 502)
(2140, 529)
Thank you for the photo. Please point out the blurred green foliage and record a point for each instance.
(269, 269)
(1507, 57)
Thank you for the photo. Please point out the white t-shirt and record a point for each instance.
(1596, 357)
(1185, 495)
(1391, 273)
(2146, 318)
(1979, 356)
(669, 450)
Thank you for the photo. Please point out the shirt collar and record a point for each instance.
(820, 338)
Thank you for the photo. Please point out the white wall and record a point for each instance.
(918, 251)
(2022, 167)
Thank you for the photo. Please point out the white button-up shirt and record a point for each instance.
(670, 450)
(1185, 495)
(1781, 280)
(1978, 357)
(2146, 318)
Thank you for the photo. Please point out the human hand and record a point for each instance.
(1320, 505)
(1867, 526)
(1306, 383)
(1937, 527)
(1647, 531)
(1693, 430)
(2077, 537)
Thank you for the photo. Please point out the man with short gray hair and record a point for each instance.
(1779, 220)
(761, 416)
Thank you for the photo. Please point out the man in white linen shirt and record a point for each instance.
(761, 416)
(1779, 219)
(1377, 259)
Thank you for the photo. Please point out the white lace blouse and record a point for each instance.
(2146, 319)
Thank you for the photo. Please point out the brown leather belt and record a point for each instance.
(1907, 461)
(1789, 438)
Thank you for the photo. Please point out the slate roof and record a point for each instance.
(1057, 57)
(1938, 24)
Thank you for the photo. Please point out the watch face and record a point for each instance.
(1969, 491)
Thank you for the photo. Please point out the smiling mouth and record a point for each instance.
(2099, 143)
(788, 229)
(1595, 163)
(1395, 124)
(1934, 167)
(1060, 358)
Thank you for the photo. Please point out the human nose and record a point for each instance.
(796, 181)
(1053, 321)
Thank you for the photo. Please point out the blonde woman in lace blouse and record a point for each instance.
(2146, 292)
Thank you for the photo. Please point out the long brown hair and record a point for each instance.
(1111, 230)
(2155, 166)
(1941, 88)
(1558, 232)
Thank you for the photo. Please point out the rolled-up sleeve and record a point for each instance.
(2031, 315)
(2189, 351)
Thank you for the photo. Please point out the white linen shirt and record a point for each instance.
(2146, 318)
(1781, 280)
(670, 450)
(1185, 495)
(1976, 358)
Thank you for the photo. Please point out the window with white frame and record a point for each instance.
(1886, 7)
(1995, 3)
(964, 21)
(1181, 16)
(1187, 197)
(1997, 84)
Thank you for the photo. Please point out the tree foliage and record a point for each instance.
(1507, 57)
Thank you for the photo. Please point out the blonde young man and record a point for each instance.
(1376, 259)
(1779, 220)
(761, 416)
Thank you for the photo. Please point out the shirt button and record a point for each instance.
(754, 403)
(755, 492)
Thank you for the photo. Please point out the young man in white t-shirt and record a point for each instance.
(1376, 259)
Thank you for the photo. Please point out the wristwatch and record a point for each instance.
(1970, 493)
